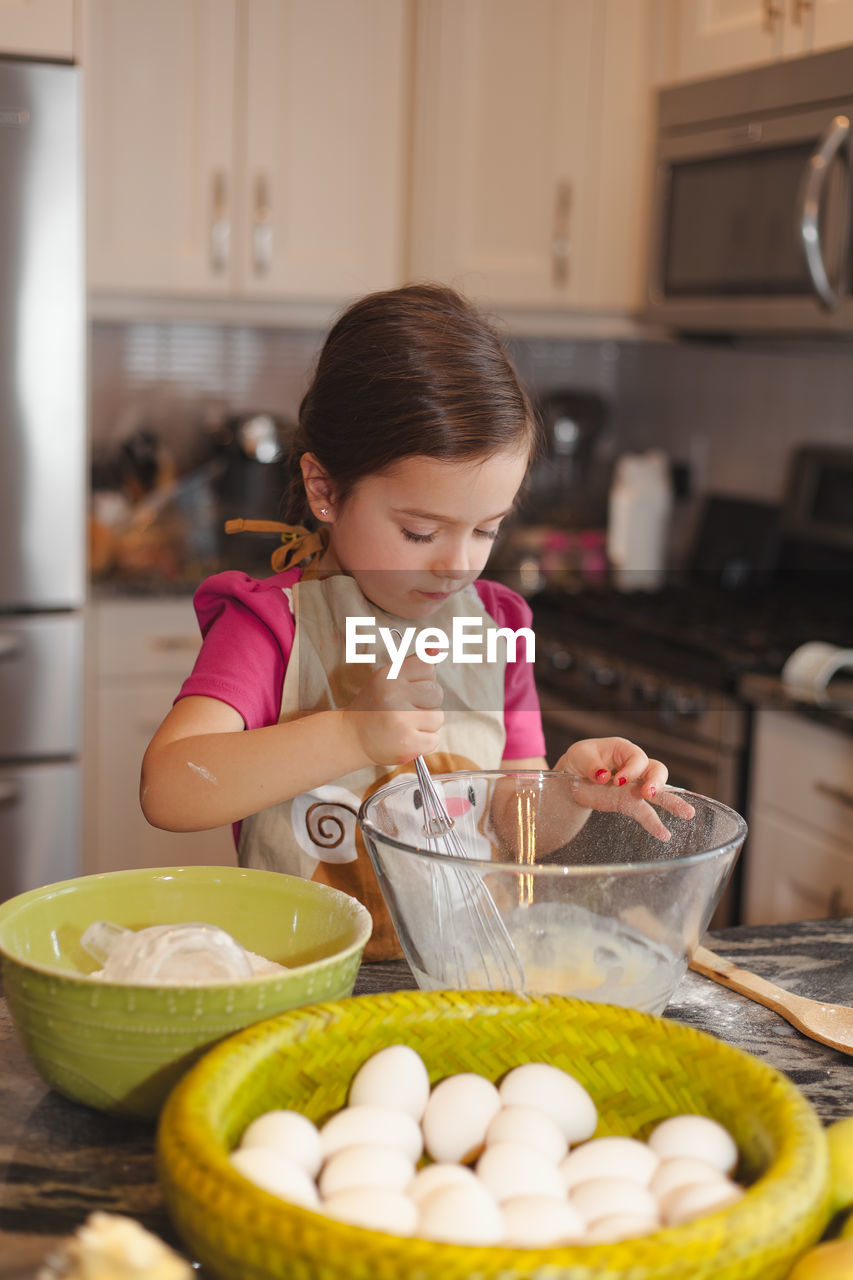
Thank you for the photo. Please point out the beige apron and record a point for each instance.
(316, 834)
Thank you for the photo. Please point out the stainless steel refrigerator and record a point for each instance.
(42, 474)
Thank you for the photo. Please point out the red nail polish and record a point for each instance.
(653, 791)
(620, 781)
(601, 773)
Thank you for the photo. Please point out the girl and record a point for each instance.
(413, 441)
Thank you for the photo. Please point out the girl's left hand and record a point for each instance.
(619, 776)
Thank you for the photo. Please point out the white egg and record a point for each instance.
(276, 1173)
(289, 1132)
(433, 1176)
(606, 1197)
(621, 1226)
(694, 1135)
(395, 1078)
(610, 1157)
(530, 1127)
(456, 1118)
(508, 1169)
(686, 1203)
(463, 1213)
(375, 1126)
(554, 1091)
(365, 1166)
(682, 1171)
(376, 1208)
(538, 1222)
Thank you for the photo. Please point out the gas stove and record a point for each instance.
(697, 630)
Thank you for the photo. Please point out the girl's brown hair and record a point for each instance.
(410, 371)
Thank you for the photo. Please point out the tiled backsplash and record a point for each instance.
(733, 413)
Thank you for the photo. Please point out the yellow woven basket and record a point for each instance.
(638, 1069)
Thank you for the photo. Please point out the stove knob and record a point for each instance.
(561, 659)
(645, 693)
(687, 704)
(601, 675)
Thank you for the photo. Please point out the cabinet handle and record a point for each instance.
(262, 231)
(834, 793)
(799, 9)
(10, 793)
(173, 644)
(561, 244)
(10, 647)
(220, 225)
(771, 13)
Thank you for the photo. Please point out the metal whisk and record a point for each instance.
(486, 943)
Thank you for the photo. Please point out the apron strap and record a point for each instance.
(298, 543)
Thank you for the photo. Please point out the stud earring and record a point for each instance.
(324, 511)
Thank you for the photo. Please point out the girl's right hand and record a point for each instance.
(396, 720)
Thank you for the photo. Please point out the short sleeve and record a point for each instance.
(525, 738)
(247, 628)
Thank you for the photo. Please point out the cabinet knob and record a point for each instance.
(772, 13)
(561, 243)
(262, 228)
(220, 226)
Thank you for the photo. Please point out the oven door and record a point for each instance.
(753, 225)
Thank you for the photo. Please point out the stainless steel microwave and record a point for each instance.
(752, 223)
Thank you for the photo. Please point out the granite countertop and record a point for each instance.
(832, 707)
(59, 1161)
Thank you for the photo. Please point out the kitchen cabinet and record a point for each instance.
(531, 150)
(831, 23)
(716, 36)
(37, 28)
(799, 852)
(245, 148)
(140, 652)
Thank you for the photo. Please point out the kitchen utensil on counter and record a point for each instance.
(832, 1024)
(120, 1047)
(812, 666)
(496, 956)
(252, 484)
(638, 1069)
(640, 505)
(595, 906)
(565, 480)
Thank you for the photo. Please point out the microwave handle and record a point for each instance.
(814, 181)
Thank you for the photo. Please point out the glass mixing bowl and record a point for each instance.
(552, 895)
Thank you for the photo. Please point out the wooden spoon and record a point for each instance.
(832, 1024)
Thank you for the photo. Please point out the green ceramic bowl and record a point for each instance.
(121, 1048)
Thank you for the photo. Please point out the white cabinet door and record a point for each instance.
(531, 132)
(326, 108)
(793, 872)
(140, 651)
(126, 720)
(831, 22)
(503, 99)
(715, 36)
(37, 28)
(799, 851)
(160, 98)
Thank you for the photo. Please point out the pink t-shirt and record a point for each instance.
(248, 628)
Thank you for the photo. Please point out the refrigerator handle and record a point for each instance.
(814, 182)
